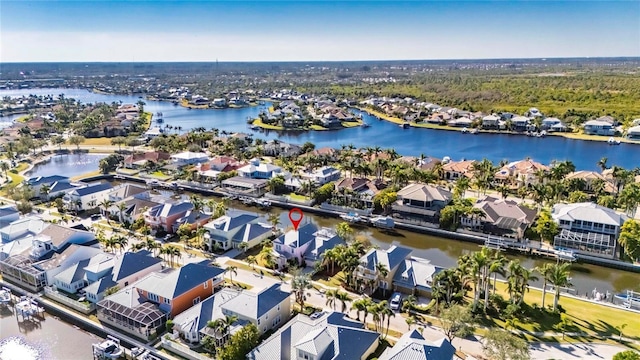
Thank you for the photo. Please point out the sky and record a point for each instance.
(139, 31)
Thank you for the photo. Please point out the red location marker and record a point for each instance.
(295, 220)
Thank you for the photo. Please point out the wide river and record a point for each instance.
(413, 141)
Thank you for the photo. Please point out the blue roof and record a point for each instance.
(303, 235)
(354, 343)
(100, 286)
(192, 275)
(94, 188)
(249, 232)
(40, 180)
(130, 263)
(270, 298)
(61, 186)
(236, 221)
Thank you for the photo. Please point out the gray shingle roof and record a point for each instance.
(413, 346)
(130, 263)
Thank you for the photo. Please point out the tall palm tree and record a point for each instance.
(496, 266)
(251, 260)
(121, 208)
(545, 272)
(331, 296)
(343, 297)
(300, 283)
(559, 277)
(105, 205)
(231, 270)
(381, 274)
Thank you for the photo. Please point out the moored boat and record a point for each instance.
(383, 222)
(351, 218)
(5, 296)
(108, 349)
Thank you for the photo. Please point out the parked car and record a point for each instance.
(396, 301)
(316, 315)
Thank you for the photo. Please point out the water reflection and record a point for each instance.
(68, 165)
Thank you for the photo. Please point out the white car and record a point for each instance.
(396, 300)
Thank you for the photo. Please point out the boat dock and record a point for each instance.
(504, 244)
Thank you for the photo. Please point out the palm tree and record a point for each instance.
(361, 305)
(381, 274)
(343, 297)
(545, 272)
(300, 283)
(121, 208)
(559, 278)
(251, 260)
(409, 303)
(266, 254)
(231, 270)
(386, 313)
(106, 204)
(274, 220)
(602, 163)
(4, 166)
(242, 246)
(331, 298)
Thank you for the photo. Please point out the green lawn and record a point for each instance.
(333, 281)
(258, 122)
(592, 319)
(350, 124)
(294, 196)
(318, 128)
(160, 175)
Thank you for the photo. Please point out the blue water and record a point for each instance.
(69, 165)
(412, 141)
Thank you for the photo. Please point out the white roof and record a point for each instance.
(587, 211)
(188, 155)
(597, 123)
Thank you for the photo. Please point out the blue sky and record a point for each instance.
(314, 30)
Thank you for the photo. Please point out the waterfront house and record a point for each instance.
(421, 200)
(599, 127)
(176, 290)
(454, 170)
(520, 123)
(124, 269)
(88, 197)
(162, 217)
(125, 191)
(368, 274)
(413, 346)
(189, 158)
(229, 232)
(48, 182)
(360, 190)
(331, 336)
(633, 133)
(58, 189)
(548, 123)
(192, 219)
(128, 311)
(245, 186)
(304, 246)
(461, 122)
(281, 149)
(415, 276)
(26, 227)
(588, 227)
(501, 217)
(76, 276)
(520, 173)
(8, 214)
(590, 178)
(140, 160)
(257, 169)
(490, 122)
(322, 175)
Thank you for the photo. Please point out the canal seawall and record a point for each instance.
(475, 238)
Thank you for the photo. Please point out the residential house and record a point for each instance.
(463, 122)
(520, 123)
(36, 183)
(125, 269)
(245, 186)
(58, 189)
(501, 217)
(229, 232)
(548, 123)
(490, 122)
(189, 158)
(633, 133)
(454, 170)
(588, 227)
(590, 178)
(361, 190)
(257, 169)
(599, 127)
(331, 336)
(88, 197)
(412, 345)
(176, 290)
(26, 227)
(368, 274)
(191, 218)
(266, 309)
(421, 200)
(8, 214)
(125, 191)
(74, 278)
(133, 208)
(322, 175)
(162, 217)
(415, 276)
(281, 149)
(304, 246)
(129, 311)
(521, 173)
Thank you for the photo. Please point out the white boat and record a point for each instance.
(475, 131)
(630, 299)
(262, 202)
(613, 141)
(108, 349)
(564, 254)
(351, 218)
(383, 222)
(5, 296)
(464, 130)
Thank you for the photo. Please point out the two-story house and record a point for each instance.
(520, 173)
(230, 231)
(76, 277)
(599, 127)
(260, 170)
(175, 290)
(8, 214)
(322, 175)
(305, 245)
(415, 276)
(370, 275)
(331, 336)
(588, 227)
(422, 201)
(501, 217)
(88, 197)
(453, 170)
(162, 217)
(189, 158)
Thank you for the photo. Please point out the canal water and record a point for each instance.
(69, 165)
(412, 141)
(46, 339)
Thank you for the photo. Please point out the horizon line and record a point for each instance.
(635, 57)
